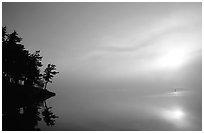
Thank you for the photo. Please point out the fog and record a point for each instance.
(123, 66)
(146, 103)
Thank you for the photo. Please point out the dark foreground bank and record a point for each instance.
(22, 105)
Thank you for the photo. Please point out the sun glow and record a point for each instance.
(171, 60)
(175, 114)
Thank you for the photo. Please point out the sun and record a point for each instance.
(172, 59)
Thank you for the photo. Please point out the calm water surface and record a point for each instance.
(126, 110)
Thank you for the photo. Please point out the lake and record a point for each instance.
(126, 110)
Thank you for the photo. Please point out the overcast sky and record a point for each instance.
(109, 40)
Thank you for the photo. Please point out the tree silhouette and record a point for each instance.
(17, 63)
(33, 65)
(49, 73)
(12, 53)
(4, 34)
(20, 75)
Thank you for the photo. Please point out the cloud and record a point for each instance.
(131, 36)
(136, 50)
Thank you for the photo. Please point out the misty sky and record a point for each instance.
(105, 46)
(110, 40)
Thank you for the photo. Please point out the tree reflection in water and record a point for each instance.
(27, 118)
(48, 116)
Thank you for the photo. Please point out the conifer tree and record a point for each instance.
(49, 73)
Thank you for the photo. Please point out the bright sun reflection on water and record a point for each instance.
(174, 114)
(177, 114)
